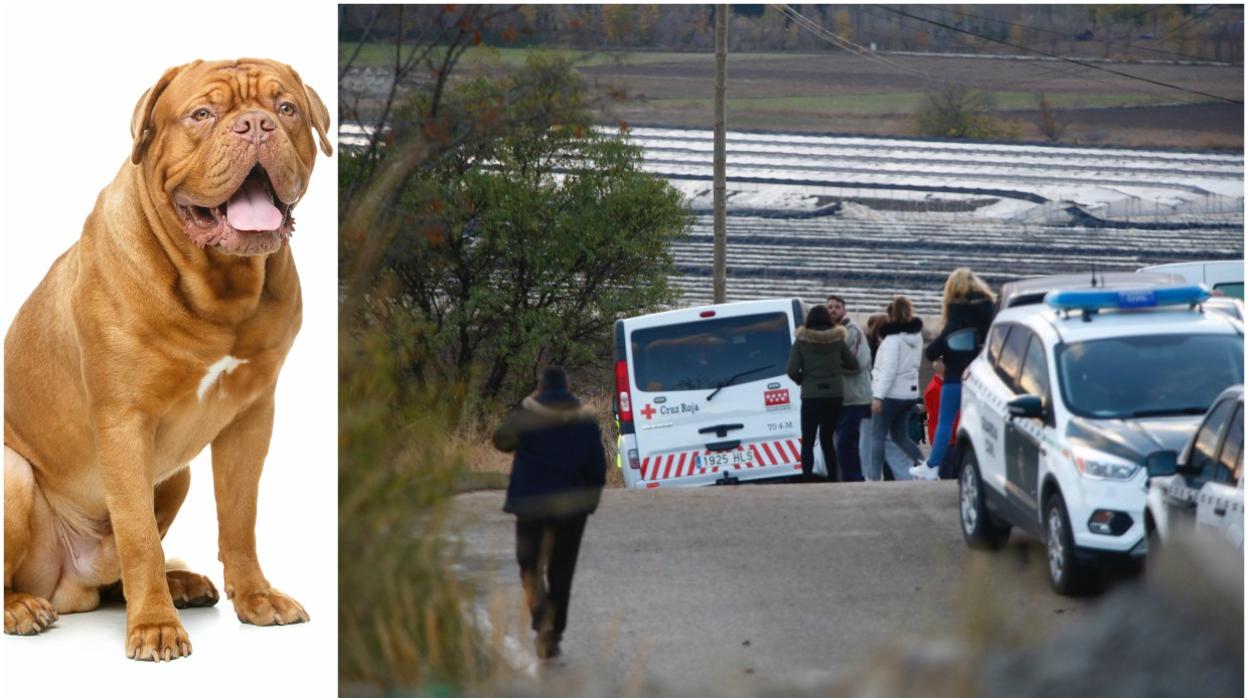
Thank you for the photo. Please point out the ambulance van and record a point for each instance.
(702, 397)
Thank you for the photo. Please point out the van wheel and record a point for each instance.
(1067, 574)
(981, 529)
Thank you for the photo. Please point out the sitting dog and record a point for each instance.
(159, 332)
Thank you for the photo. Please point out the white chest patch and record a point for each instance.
(226, 364)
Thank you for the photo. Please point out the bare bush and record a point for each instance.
(957, 111)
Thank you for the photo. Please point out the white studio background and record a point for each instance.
(70, 80)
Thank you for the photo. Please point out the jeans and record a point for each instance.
(950, 403)
(892, 453)
(819, 417)
(546, 550)
(893, 420)
(848, 441)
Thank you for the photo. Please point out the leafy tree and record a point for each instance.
(522, 249)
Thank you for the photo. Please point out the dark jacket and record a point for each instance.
(975, 311)
(819, 361)
(560, 465)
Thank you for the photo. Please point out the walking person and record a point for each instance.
(818, 362)
(857, 403)
(967, 303)
(557, 477)
(895, 385)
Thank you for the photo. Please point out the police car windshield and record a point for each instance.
(1162, 375)
(707, 353)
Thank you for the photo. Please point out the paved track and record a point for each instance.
(705, 588)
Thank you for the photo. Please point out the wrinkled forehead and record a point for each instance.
(231, 83)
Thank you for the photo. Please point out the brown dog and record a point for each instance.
(161, 331)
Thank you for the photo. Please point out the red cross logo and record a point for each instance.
(647, 411)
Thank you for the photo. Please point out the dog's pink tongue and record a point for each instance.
(251, 209)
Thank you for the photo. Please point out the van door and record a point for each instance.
(711, 401)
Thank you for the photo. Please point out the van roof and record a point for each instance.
(721, 310)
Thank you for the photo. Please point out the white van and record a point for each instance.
(1224, 277)
(702, 397)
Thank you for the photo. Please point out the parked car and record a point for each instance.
(1203, 485)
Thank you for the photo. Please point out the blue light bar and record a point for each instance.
(1126, 298)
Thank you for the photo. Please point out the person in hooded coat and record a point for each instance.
(818, 362)
(895, 386)
(557, 476)
(967, 303)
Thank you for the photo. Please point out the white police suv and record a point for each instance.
(1066, 404)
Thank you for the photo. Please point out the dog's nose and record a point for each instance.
(255, 126)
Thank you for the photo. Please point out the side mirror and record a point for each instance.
(1162, 463)
(962, 340)
(1026, 406)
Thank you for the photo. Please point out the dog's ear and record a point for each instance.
(320, 119)
(141, 126)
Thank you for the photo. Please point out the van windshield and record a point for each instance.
(1150, 376)
(706, 353)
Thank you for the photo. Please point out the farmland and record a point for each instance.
(834, 92)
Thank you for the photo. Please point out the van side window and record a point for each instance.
(1012, 355)
(1204, 454)
(1232, 446)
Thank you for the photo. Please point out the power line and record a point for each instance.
(1068, 35)
(1063, 58)
(843, 43)
(840, 41)
(1058, 73)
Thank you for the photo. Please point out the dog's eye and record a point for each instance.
(286, 108)
(201, 114)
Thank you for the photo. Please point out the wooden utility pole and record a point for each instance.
(719, 188)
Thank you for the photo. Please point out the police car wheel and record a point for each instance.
(1154, 540)
(1067, 574)
(980, 527)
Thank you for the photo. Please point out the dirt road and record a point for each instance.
(702, 589)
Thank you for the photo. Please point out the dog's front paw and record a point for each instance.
(190, 589)
(155, 642)
(268, 607)
(26, 614)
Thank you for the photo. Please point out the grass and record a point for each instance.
(400, 621)
(897, 102)
(382, 55)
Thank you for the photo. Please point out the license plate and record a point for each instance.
(712, 460)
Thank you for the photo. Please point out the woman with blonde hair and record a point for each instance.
(895, 387)
(968, 302)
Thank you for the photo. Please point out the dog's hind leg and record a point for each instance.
(24, 614)
(186, 587)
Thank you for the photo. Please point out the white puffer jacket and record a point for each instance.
(896, 371)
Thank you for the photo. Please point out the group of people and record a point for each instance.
(858, 391)
(859, 388)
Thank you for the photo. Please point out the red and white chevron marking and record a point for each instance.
(666, 466)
